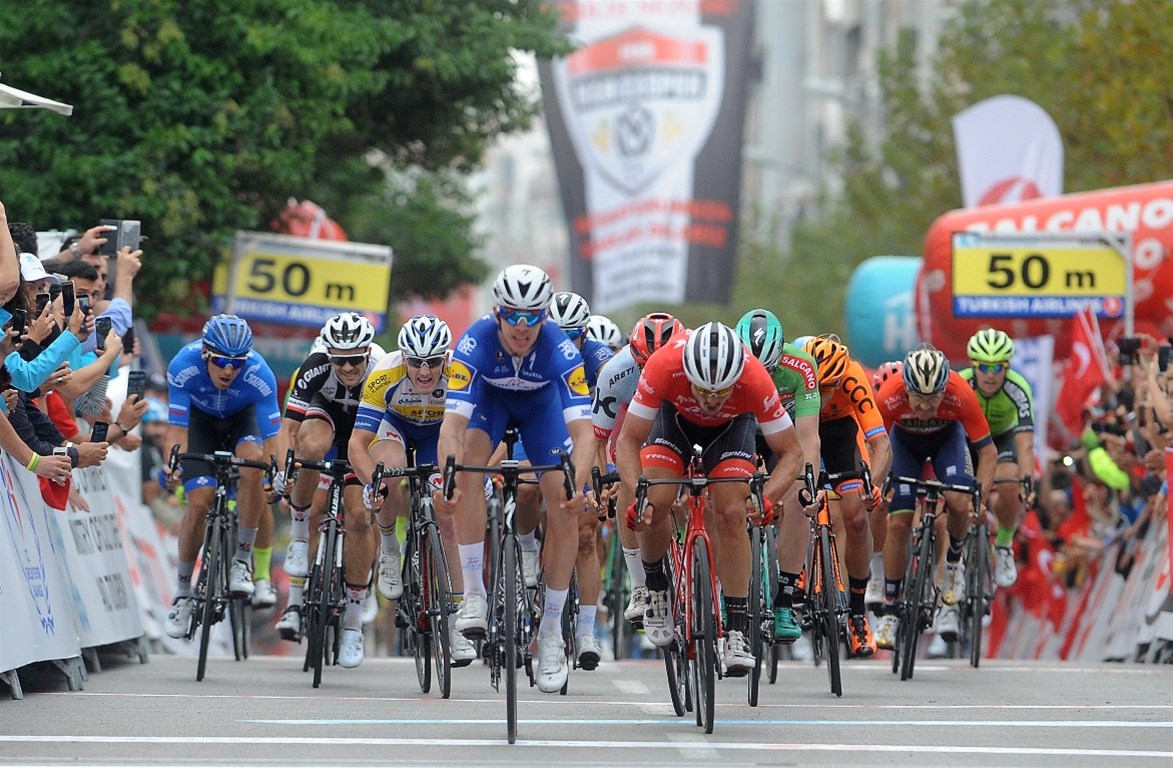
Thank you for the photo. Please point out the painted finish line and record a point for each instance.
(669, 721)
(684, 746)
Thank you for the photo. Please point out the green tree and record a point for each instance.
(201, 117)
(1100, 69)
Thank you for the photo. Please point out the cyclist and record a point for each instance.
(223, 396)
(515, 367)
(1005, 397)
(319, 417)
(704, 390)
(604, 329)
(874, 597)
(930, 411)
(795, 376)
(402, 405)
(615, 390)
(849, 421)
(571, 313)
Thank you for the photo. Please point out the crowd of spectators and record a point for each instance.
(1111, 486)
(55, 370)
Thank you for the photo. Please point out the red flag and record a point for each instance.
(1085, 371)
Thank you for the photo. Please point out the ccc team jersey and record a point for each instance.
(190, 386)
(389, 392)
(853, 397)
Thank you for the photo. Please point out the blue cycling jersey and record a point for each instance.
(595, 355)
(190, 386)
(480, 363)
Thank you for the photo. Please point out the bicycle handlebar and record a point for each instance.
(511, 470)
(598, 480)
(219, 458)
(696, 483)
(925, 486)
(331, 468)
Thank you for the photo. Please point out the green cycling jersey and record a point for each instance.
(1009, 409)
(796, 378)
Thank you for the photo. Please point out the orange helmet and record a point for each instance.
(652, 332)
(832, 358)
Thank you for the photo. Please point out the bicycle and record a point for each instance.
(422, 611)
(919, 601)
(827, 610)
(511, 622)
(617, 583)
(696, 606)
(211, 587)
(324, 599)
(979, 576)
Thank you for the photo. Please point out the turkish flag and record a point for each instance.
(1085, 371)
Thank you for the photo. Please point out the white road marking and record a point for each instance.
(631, 687)
(671, 719)
(626, 746)
(693, 746)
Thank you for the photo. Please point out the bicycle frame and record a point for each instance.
(698, 634)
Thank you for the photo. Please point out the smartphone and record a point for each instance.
(68, 297)
(54, 291)
(102, 327)
(136, 384)
(127, 232)
(83, 301)
(98, 433)
(1163, 353)
(43, 300)
(128, 339)
(19, 320)
(1129, 347)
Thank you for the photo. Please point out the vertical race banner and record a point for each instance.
(1008, 150)
(646, 120)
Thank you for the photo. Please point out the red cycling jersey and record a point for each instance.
(663, 381)
(959, 404)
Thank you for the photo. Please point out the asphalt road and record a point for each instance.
(263, 712)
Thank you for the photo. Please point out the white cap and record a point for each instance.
(32, 270)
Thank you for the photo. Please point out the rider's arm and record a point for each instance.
(784, 443)
(632, 434)
(881, 455)
(987, 463)
(582, 436)
(807, 428)
(451, 440)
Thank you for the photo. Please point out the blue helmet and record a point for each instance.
(228, 335)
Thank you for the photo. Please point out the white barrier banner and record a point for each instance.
(36, 613)
(95, 560)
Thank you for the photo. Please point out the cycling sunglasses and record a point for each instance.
(992, 367)
(707, 393)
(420, 362)
(574, 334)
(225, 361)
(515, 316)
(344, 360)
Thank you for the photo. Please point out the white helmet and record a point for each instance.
(521, 286)
(348, 330)
(569, 310)
(425, 336)
(926, 371)
(602, 328)
(714, 357)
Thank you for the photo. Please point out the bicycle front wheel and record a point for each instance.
(979, 590)
(323, 599)
(417, 633)
(828, 597)
(703, 634)
(214, 583)
(918, 598)
(436, 599)
(514, 592)
(757, 545)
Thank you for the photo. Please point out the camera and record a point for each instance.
(127, 232)
(1107, 428)
(1129, 347)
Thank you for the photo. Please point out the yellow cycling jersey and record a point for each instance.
(390, 391)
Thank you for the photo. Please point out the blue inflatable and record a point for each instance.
(881, 318)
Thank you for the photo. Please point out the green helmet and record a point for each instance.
(990, 345)
(761, 331)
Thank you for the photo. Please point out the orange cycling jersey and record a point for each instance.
(663, 381)
(959, 404)
(853, 397)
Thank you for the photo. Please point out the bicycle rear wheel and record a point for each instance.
(979, 589)
(676, 653)
(436, 599)
(703, 634)
(213, 581)
(828, 612)
(754, 607)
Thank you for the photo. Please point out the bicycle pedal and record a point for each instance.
(401, 621)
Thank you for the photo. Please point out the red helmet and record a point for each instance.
(886, 371)
(652, 332)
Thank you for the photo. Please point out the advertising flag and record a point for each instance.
(646, 120)
(1085, 371)
(1008, 150)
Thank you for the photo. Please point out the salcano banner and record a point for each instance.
(646, 120)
